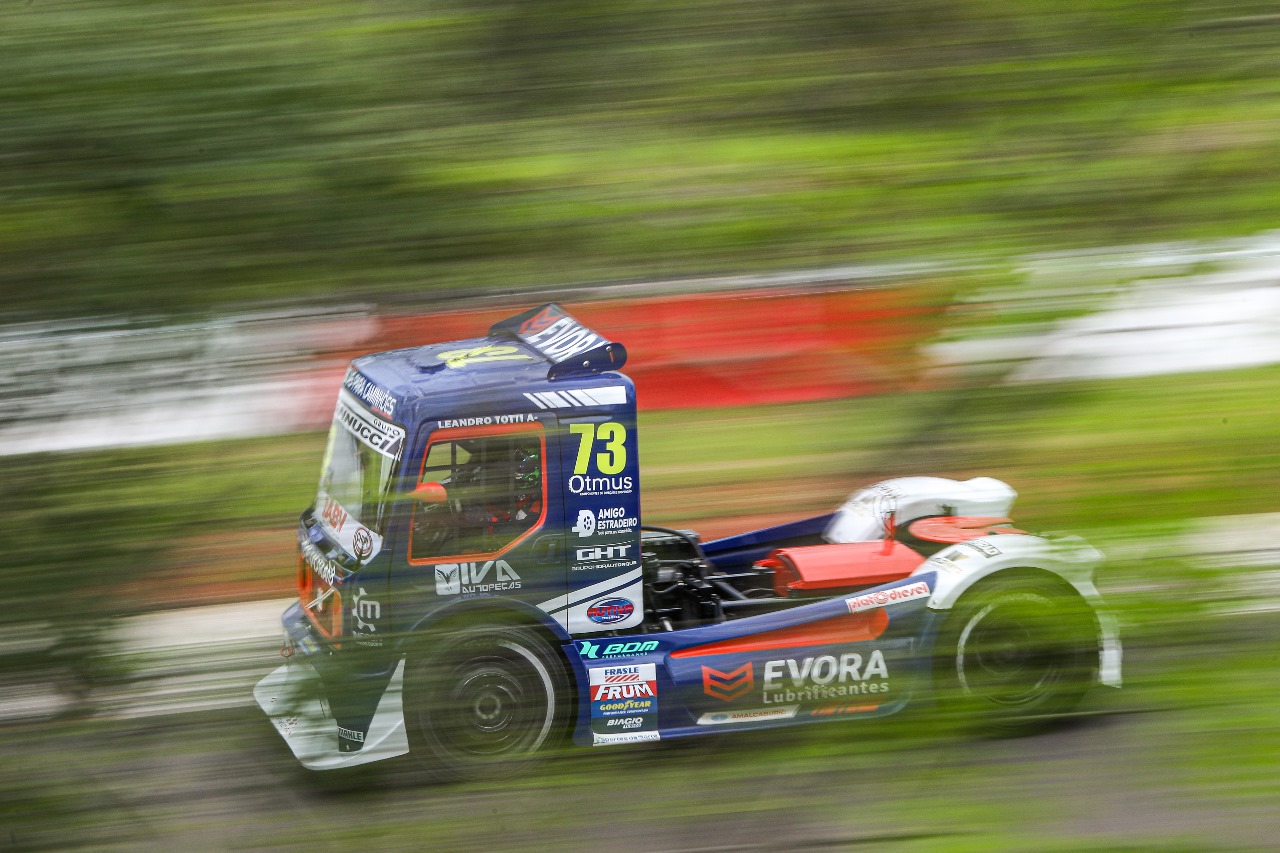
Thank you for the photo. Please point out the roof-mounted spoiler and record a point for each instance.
(571, 347)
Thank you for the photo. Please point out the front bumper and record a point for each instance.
(293, 697)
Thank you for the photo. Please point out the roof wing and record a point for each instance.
(571, 347)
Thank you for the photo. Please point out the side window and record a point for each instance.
(495, 491)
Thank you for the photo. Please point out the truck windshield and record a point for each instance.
(359, 461)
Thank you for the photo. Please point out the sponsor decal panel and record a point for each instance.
(728, 686)
(557, 335)
(589, 650)
(884, 597)
(539, 322)
(324, 568)
(624, 702)
(366, 612)
(373, 395)
(383, 436)
(467, 578)
(356, 539)
(835, 709)
(362, 543)
(351, 734)
(600, 739)
(610, 610)
(751, 715)
(601, 553)
(604, 521)
(570, 609)
(949, 566)
(614, 707)
(486, 420)
(634, 681)
(482, 354)
(581, 484)
(586, 524)
(824, 677)
(983, 547)
(610, 556)
(286, 725)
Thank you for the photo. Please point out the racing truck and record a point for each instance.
(476, 585)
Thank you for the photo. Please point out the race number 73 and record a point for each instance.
(611, 436)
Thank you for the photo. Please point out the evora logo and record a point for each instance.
(728, 686)
(457, 578)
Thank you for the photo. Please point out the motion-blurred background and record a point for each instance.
(843, 240)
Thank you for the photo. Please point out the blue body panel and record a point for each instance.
(761, 671)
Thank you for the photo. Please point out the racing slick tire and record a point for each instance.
(1016, 652)
(482, 702)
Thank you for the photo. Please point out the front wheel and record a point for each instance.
(1016, 652)
(482, 702)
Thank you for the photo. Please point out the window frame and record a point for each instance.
(453, 434)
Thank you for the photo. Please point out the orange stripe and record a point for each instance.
(848, 628)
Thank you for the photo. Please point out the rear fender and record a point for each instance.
(960, 567)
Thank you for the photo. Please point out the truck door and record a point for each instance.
(601, 486)
(481, 534)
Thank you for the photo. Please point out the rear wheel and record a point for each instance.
(482, 702)
(1013, 653)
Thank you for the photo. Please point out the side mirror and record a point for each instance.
(429, 493)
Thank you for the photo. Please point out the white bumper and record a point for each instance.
(290, 696)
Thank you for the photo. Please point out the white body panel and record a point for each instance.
(862, 517)
(289, 696)
(959, 567)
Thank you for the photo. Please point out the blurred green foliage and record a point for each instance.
(184, 155)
